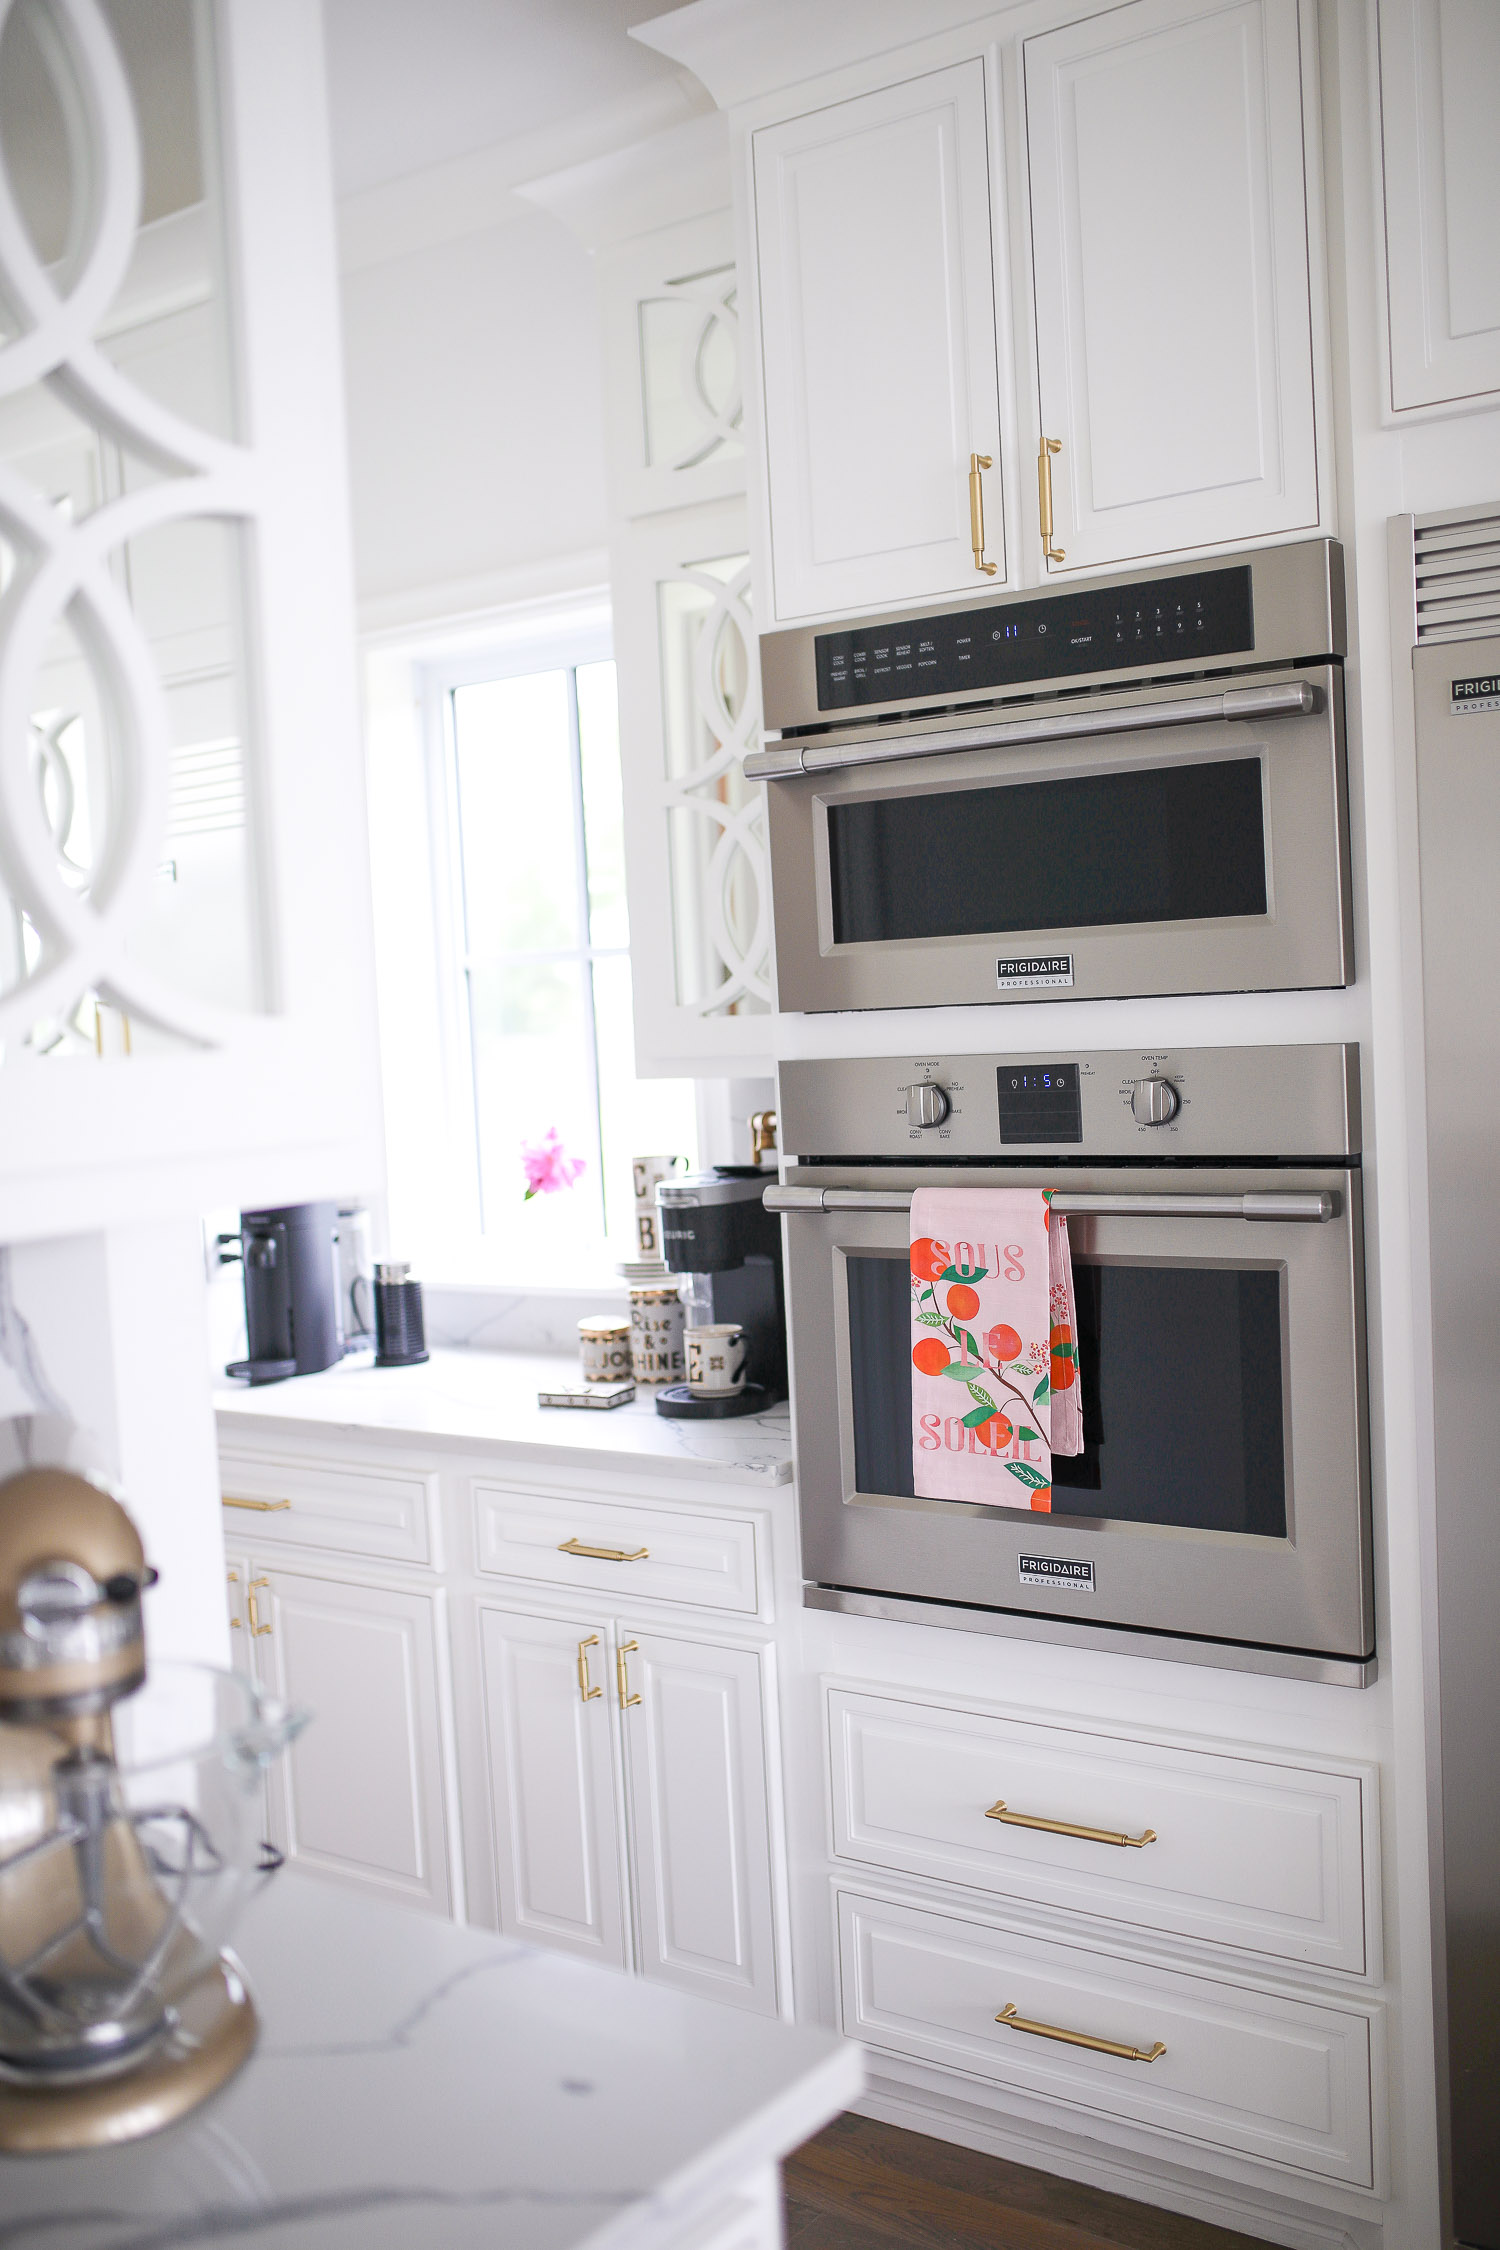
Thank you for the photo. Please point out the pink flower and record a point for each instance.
(547, 1165)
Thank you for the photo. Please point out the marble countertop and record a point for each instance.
(417, 2082)
(489, 1398)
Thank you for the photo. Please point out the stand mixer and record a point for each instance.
(129, 1835)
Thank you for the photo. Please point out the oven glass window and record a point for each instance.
(1182, 1393)
(1178, 843)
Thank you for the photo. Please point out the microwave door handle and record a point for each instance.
(1310, 1207)
(1284, 699)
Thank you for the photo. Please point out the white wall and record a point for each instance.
(476, 423)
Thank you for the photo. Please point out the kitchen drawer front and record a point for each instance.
(1269, 2075)
(385, 1514)
(707, 1561)
(1247, 1852)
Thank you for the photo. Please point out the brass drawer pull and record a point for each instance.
(261, 1507)
(603, 1554)
(1008, 2015)
(253, 1607)
(622, 1675)
(1000, 1811)
(587, 1694)
(978, 461)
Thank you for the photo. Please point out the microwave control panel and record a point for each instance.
(1106, 628)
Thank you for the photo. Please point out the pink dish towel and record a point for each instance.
(994, 1388)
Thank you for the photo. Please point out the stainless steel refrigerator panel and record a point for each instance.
(1458, 785)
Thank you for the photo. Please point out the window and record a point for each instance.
(531, 878)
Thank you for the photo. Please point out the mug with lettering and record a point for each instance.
(716, 1360)
(604, 1347)
(647, 1174)
(656, 1317)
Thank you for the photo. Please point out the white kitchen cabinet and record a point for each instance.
(629, 1807)
(1439, 75)
(360, 1796)
(549, 1699)
(1169, 224)
(876, 286)
(696, 1782)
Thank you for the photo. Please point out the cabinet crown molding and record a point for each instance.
(681, 173)
(742, 49)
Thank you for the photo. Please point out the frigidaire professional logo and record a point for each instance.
(1057, 1570)
(1479, 693)
(1025, 971)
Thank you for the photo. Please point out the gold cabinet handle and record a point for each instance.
(237, 1624)
(978, 461)
(261, 1507)
(622, 1675)
(603, 1554)
(587, 1694)
(253, 1607)
(1050, 445)
(999, 1810)
(1008, 2016)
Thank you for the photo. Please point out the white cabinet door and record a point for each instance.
(877, 322)
(549, 1698)
(1170, 244)
(1439, 78)
(360, 1794)
(695, 1768)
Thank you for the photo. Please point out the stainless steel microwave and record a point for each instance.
(1136, 786)
(1219, 1511)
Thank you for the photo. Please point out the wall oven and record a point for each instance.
(1219, 1512)
(1132, 787)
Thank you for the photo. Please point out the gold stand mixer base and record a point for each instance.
(216, 2032)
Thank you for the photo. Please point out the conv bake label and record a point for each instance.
(1024, 972)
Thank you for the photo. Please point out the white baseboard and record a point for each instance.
(1143, 2179)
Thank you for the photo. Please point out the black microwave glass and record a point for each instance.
(1183, 1419)
(1177, 843)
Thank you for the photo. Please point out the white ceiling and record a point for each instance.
(415, 83)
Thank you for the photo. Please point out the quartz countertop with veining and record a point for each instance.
(463, 1398)
(420, 2083)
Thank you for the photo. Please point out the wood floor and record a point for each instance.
(866, 2186)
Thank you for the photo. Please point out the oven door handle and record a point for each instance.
(1284, 699)
(1315, 1207)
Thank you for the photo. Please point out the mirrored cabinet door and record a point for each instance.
(184, 958)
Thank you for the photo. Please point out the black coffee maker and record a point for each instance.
(290, 1262)
(716, 1230)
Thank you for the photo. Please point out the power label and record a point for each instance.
(1057, 1571)
(1027, 972)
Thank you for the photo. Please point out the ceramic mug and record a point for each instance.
(647, 1174)
(655, 1334)
(716, 1360)
(604, 1348)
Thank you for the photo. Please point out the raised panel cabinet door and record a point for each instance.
(693, 1718)
(877, 320)
(1170, 252)
(360, 1795)
(549, 1700)
(1439, 78)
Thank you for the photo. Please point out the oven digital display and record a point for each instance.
(1040, 1103)
(1180, 621)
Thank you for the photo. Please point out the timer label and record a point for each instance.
(1057, 1570)
(1027, 972)
(1480, 692)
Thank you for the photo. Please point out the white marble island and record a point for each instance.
(416, 2082)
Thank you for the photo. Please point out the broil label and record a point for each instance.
(1057, 1571)
(1480, 692)
(1024, 972)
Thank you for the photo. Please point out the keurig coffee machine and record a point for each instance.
(716, 1230)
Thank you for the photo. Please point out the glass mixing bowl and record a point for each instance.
(128, 1848)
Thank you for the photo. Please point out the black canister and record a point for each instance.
(400, 1340)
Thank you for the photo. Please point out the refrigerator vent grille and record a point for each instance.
(1458, 575)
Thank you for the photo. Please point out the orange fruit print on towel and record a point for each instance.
(929, 1259)
(963, 1302)
(930, 1356)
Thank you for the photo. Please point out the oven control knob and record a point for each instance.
(1154, 1101)
(926, 1104)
